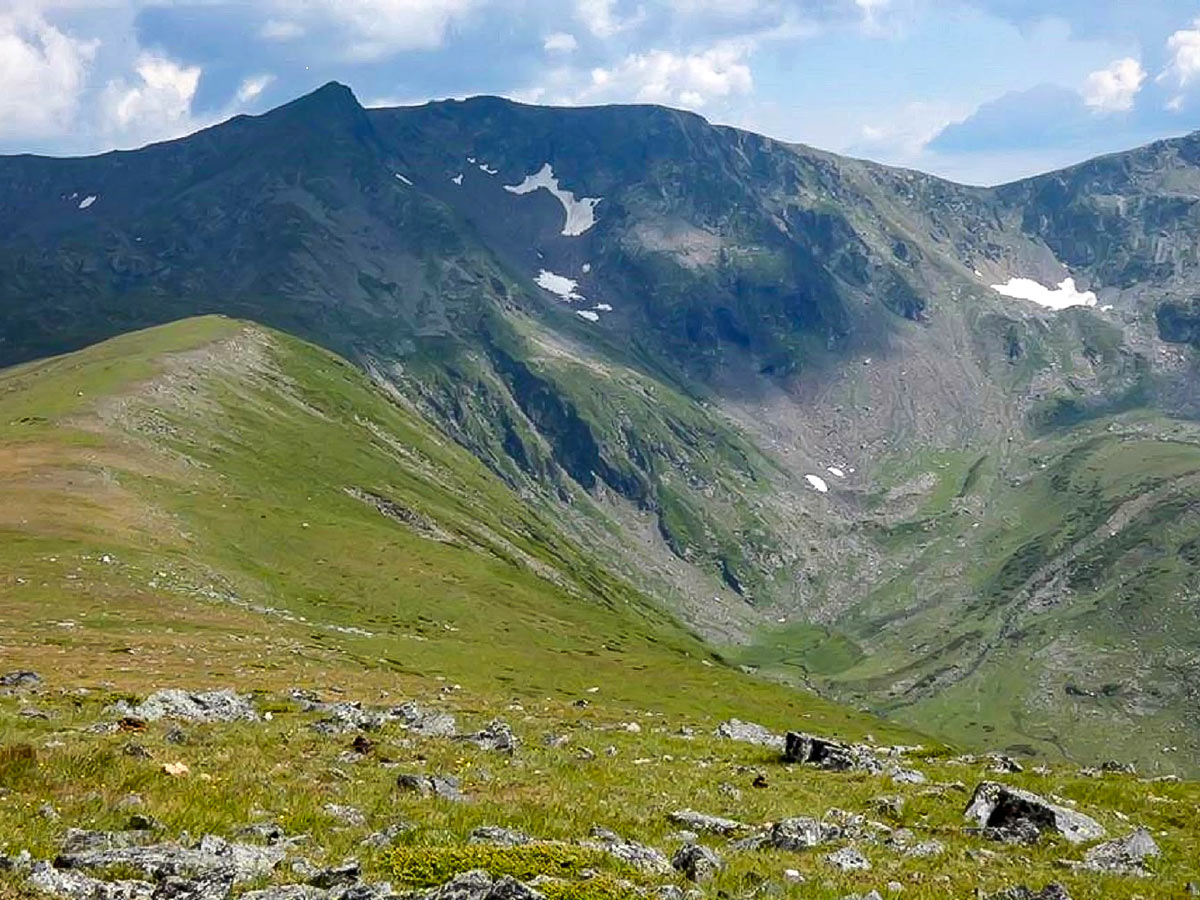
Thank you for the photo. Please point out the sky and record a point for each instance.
(980, 91)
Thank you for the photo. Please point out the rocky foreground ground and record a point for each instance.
(313, 795)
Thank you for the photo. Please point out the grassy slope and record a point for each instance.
(158, 485)
(209, 461)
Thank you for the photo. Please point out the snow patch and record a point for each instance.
(566, 288)
(488, 170)
(87, 201)
(457, 179)
(817, 483)
(835, 471)
(405, 180)
(587, 267)
(581, 211)
(588, 314)
(471, 160)
(1064, 296)
(603, 307)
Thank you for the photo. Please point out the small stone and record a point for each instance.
(895, 887)
(22, 678)
(503, 837)
(711, 824)
(176, 769)
(793, 876)
(347, 814)
(445, 786)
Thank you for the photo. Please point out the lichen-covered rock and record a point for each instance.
(696, 821)
(1002, 809)
(796, 833)
(696, 862)
(848, 859)
(750, 733)
(1052, 891)
(502, 837)
(496, 735)
(203, 706)
(640, 856)
(245, 861)
(1124, 856)
(77, 886)
(444, 786)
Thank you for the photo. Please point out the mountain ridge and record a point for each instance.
(757, 317)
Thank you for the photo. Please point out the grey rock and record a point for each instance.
(750, 733)
(1000, 807)
(347, 873)
(346, 814)
(385, 837)
(478, 885)
(495, 736)
(796, 833)
(288, 892)
(77, 886)
(871, 895)
(346, 716)
(214, 885)
(445, 786)
(1053, 891)
(504, 837)
(848, 859)
(245, 861)
(19, 863)
(426, 722)
(809, 749)
(926, 850)
(22, 678)
(889, 805)
(640, 856)
(696, 862)
(697, 821)
(1124, 856)
(268, 832)
(80, 840)
(204, 706)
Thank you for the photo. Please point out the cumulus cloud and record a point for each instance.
(42, 72)
(251, 87)
(560, 42)
(155, 105)
(601, 18)
(1183, 49)
(683, 79)
(1112, 89)
(370, 29)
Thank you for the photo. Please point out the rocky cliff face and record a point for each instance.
(772, 382)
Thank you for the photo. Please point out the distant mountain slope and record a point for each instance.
(767, 383)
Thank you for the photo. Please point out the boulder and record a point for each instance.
(445, 786)
(696, 862)
(640, 856)
(1002, 810)
(796, 833)
(478, 885)
(809, 749)
(495, 736)
(245, 862)
(77, 886)
(22, 678)
(203, 706)
(848, 859)
(750, 733)
(1124, 856)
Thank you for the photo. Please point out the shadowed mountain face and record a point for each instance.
(770, 385)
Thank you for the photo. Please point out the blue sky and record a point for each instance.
(981, 91)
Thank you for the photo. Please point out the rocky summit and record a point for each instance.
(482, 500)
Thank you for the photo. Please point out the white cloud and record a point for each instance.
(560, 42)
(1184, 49)
(42, 71)
(688, 79)
(600, 17)
(374, 29)
(156, 106)
(1112, 89)
(281, 30)
(251, 87)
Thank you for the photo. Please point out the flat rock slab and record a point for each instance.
(203, 706)
(1001, 807)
